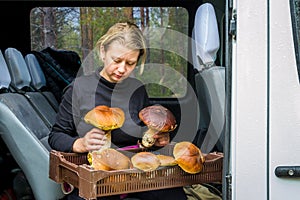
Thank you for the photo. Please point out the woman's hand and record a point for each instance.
(162, 139)
(93, 140)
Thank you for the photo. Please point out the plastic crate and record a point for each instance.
(74, 169)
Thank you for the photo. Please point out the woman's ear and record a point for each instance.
(102, 53)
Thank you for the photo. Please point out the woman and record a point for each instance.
(120, 50)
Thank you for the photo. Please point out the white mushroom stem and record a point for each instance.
(148, 140)
(107, 143)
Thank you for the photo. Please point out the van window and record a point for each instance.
(79, 28)
(295, 13)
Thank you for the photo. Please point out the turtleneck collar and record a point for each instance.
(108, 83)
(103, 80)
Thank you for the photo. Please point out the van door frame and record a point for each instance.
(249, 101)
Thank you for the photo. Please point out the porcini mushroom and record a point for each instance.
(145, 161)
(166, 161)
(106, 119)
(189, 157)
(158, 119)
(110, 159)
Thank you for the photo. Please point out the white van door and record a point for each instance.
(249, 101)
(284, 103)
(265, 102)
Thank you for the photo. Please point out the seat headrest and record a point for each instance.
(38, 79)
(4, 73)
(17, 67)
(206, 35)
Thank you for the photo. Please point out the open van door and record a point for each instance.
(284, 100)
(265, 101)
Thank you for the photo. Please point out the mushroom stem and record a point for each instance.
(105, 146)
(158, 119)
(108, 141)
(148, 140)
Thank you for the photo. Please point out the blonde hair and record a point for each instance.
(127, 34)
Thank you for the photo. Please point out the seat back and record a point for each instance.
(38, 80)
(23, 131)
(4, 74)
(210, 80)
(21, 81)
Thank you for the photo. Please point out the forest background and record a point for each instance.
(78, 29)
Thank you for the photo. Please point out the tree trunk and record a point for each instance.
(128, 12)
(142, 18)
(147, 37)
(163, 89)
(86, 31)
(50, 39)
(86, 38)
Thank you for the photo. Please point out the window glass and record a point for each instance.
(295, 13)
(78, 29)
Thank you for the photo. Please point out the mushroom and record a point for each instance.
(145, 161)
(188, 157)
(166, 161)
(158, 119)
(106, 119)
(110, 159)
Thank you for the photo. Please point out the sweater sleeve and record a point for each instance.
(63, 133)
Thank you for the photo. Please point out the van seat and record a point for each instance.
(21, 81)
(38, 80)
(22, 131)
(209, 79)
(4, 75)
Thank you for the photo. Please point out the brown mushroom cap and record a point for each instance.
(166, 160)
(110, 159)
(105, 118)
(189, 157)
(158, 117)
(145, 161)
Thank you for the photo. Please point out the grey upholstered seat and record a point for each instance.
(38, 80)
(21, 81)
(210, 80)
(22, 130)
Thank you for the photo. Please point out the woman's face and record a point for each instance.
(119, 62)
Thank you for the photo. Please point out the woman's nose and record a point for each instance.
(122, 67)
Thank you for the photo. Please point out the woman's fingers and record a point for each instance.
(162, 139)
(95, 139)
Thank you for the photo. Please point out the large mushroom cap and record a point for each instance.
(145, 161)
(189, 157)
(166, 160)
(105, 118)
(158, 117)
(110, 159)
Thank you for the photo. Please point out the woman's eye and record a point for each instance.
(130, 64)
(117, 61)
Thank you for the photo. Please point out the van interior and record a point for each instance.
(197, 53)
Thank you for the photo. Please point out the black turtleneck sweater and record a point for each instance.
(86, 92)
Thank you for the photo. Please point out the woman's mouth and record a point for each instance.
(118, 76)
